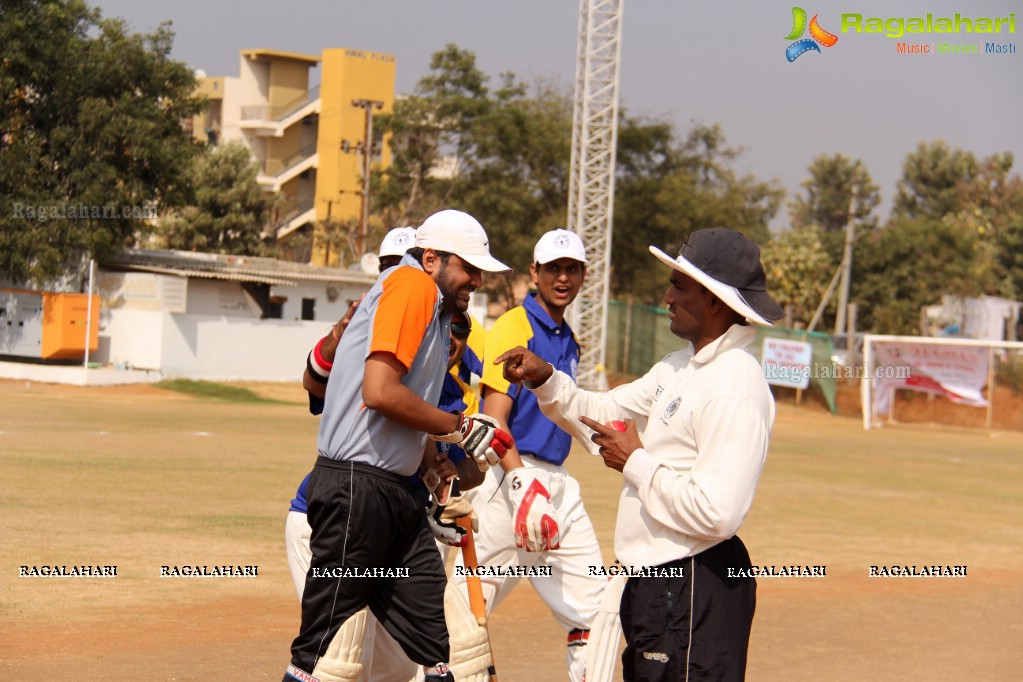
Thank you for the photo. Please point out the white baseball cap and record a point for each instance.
(458, 233)
(559, 244)
(397, 241)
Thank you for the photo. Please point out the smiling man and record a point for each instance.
(379, 407)
(531, 514)
(698, 426)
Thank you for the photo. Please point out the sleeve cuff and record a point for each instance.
(639, 469)
(548, 389)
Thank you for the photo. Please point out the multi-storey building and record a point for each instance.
(310, 142)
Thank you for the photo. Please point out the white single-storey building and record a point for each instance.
(217, 317)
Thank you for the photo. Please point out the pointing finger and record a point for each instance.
(596, 426)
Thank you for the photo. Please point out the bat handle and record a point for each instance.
(474, 587)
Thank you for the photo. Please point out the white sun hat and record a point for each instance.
(729, 265)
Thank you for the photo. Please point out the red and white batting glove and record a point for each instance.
(536, 525)
(481, 437)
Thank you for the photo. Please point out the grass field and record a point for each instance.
(142, 477)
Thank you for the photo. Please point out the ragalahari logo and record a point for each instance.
(817, 35)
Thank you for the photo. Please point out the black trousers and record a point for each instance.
(690, 627)
(363, 517)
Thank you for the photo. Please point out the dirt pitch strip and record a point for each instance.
(140, 478)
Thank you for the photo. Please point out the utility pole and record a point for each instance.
(366, 147)
(846, 270)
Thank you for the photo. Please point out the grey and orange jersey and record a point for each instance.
(401, 314)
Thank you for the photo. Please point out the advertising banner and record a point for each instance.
(786, 362)
(958, 373)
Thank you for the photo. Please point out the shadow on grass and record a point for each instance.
(211, 390)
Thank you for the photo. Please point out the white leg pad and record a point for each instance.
(470, 648)
(343, 660)
(578, 653)
(605, 634)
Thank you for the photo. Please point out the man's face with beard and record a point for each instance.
(455, 278)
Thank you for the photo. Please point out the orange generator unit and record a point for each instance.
(44, 325)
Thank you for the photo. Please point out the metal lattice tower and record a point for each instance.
(591, 176)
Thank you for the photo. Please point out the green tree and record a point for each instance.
(513, 146)
(910, 264)
(646, 154)
(798, 270)
(510, 147)
(406, 188)
(666, 189)
(517, 178)
(229, 213)
(90, 116)
(425, 127)
(992, 208)
(838, 190)
(933, 180)
(956, 229)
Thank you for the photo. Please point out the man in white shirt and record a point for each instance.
(697, 428)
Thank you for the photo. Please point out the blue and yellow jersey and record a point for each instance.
(472, 360)
(456, 396)
(529, 325)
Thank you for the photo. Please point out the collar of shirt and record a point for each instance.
(409, 260)
(538, 313)
(737, 336)
(445, 318)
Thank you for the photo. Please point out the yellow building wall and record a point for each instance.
(211, 87)
(289, 81)
(282, 151)
(348, 75)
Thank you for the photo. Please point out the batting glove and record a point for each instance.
(536, 526)
(442, 517)
(481, 437)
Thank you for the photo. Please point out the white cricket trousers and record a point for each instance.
(571, 592)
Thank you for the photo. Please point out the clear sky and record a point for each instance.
(703, 60)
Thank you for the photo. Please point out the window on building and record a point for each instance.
(308, 308)
(275, 309)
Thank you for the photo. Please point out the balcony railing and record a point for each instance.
(263, 112)
(291, 209)
(275, 167)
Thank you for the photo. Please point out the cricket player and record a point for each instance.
(530, 510)
(371, 543)
(698, 426)
(394, 245)
(382, 659)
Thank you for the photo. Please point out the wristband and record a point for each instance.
(318, 358)
(314, 371)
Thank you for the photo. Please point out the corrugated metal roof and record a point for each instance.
(232, 276)
(234, 268)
